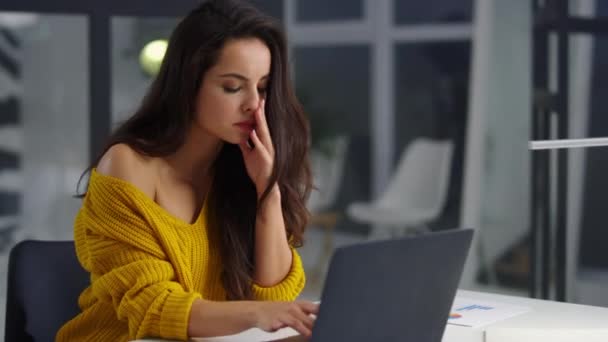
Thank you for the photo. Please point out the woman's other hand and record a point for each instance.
(272, 316)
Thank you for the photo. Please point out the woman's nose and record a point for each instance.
(252, 102)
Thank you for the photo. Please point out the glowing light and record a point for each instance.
(151, 56)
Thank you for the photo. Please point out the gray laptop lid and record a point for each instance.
(395, 290)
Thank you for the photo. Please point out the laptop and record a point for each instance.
(394, 290)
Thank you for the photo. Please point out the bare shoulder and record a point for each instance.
(123, 162)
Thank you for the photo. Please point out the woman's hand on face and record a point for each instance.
(272, 316)
(259, 158)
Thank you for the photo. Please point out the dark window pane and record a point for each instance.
(323, 10)
(593, 253)
(420, 12)
(594, 234)
(336, 99)
(587, 184)
(431, 92)
(129, 81)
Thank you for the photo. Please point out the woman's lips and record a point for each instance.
(246, 126)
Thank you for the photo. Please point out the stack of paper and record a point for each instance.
(474, 313)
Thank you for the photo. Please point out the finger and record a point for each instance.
(302, 329)
(277, 325)
(305, 319)
(298, 326)
(260, 121)
(257, 143)
(309, 307)
(262, 112)
(262, 124)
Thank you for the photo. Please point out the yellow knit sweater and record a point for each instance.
(147, 267)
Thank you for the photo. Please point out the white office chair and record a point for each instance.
(416, 193)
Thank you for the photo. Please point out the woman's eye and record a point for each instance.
(231, 90)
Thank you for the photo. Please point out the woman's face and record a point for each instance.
(232, 89)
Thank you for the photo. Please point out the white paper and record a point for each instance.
(553, 335)
(251, 335)
(474, 313)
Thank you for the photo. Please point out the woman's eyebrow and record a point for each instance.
(240, 77)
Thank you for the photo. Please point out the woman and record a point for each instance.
(193, 210)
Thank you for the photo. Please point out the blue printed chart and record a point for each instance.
(473, 313)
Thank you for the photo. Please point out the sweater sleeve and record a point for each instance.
(289, 288)
(141, 288)
(129, 267)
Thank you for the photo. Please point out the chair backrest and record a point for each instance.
(45, 280)
(327, 170)
(422, 176)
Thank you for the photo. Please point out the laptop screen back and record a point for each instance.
(396, 290)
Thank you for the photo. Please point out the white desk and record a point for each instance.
(547, 321)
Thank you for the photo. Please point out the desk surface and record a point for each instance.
(545, 316)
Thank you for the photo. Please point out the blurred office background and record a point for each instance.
(421, 116)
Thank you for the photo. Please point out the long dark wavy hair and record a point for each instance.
(158, 128)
